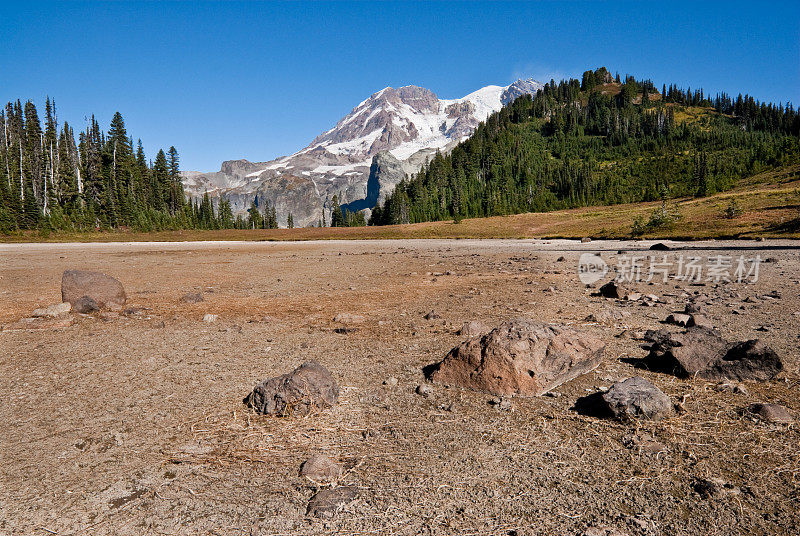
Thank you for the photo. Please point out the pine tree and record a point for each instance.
(337, 218)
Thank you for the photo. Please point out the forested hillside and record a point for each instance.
(594, 141)
(50, 181)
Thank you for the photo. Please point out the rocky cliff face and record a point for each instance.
(361, 159)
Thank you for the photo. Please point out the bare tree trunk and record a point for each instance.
(21, 181)
(5, 148)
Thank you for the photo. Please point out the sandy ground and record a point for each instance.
(136, 425)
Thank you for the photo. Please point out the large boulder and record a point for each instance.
(107, 292)
(521, 357)
(703, 353)
(637, 398)
(306, 389)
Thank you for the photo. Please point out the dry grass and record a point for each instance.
(770, 204)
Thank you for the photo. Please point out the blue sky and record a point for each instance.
(259, 80)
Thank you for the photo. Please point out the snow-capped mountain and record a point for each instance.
(360, 159)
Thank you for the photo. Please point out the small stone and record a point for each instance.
(636, 398)
(612, 289)
(678, 319)
(432, 315)
(210, 318)
(585, 240)
(390, 381)
(349, 318)
(85, 305)
(192, 297)
(771, 413)
(732, 387)
(108, 316)
(699, 321)
(608, 317)
(603, 530)
(53, 311)
(692, 308)
(660, 246)
(424, 389)
(321, 469)
(714, 487)
(329, 502)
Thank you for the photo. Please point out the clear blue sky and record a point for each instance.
(257, 80)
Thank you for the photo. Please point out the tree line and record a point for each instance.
(49, 180)
(596, 141)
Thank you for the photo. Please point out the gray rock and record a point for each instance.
(702, 353)
(637, 398)
(608, 317)
(701, 321)
(390, 381)
(521, 357)
(329, 502)
(107, 292)
(85, 305)
(308, 388)
(771, 413)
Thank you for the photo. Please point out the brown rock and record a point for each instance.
(306, 389)
(473, 328)
(85, 305)
(702, 353)
(613, 289)
(192, 297)
(106, 291)
(521, 357)
(319, 468)
(328, 502)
